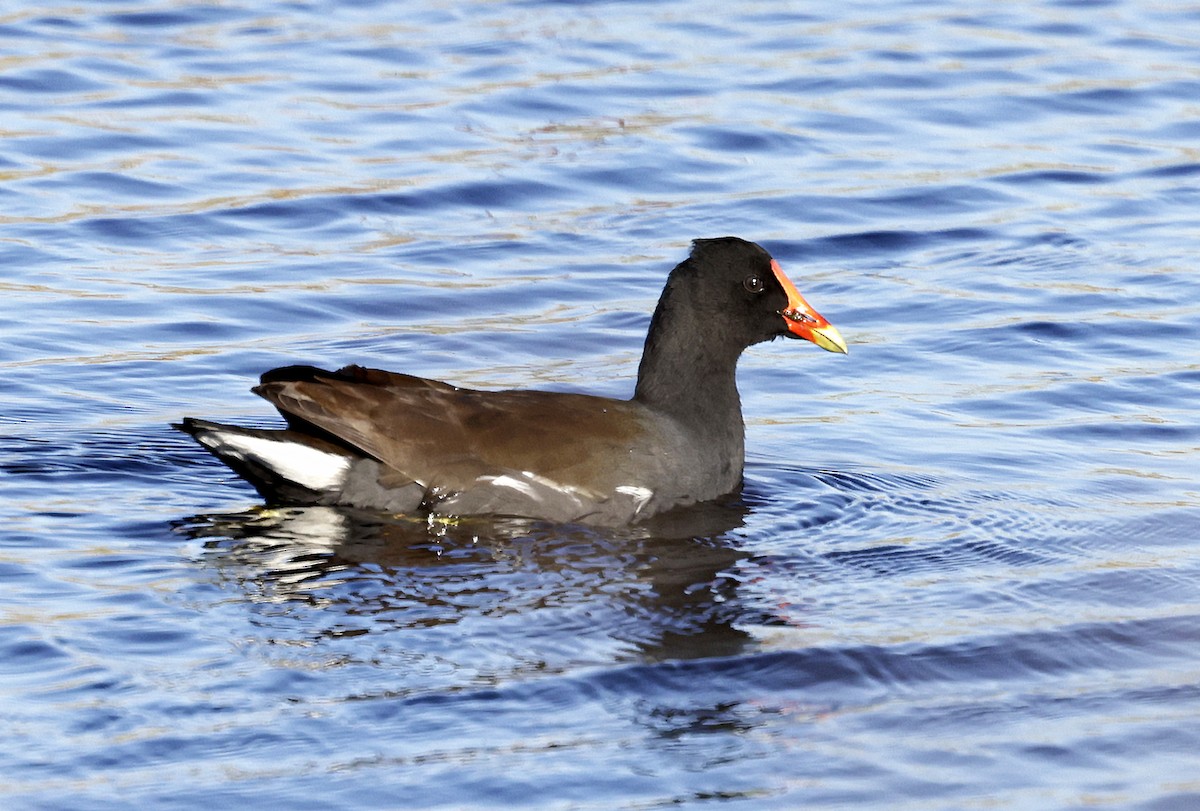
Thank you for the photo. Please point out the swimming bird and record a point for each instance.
(387, 441)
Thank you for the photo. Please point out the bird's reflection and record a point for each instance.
(663, 590)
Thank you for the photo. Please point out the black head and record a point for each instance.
(740, 296)
(730, 285)
(727, 295)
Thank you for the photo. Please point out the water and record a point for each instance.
(963, 572)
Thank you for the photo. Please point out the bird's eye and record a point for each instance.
(754, 284)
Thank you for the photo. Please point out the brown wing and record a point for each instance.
(441, 436)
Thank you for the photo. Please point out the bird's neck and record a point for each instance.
(690, 375)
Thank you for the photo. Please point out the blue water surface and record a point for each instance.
(964, 569)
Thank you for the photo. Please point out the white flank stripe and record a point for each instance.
(524, 488)
(550, 483)
(531, 485)
(307, 467)
(640, 495)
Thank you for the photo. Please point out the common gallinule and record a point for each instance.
(385, 441)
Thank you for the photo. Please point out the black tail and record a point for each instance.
(284, 466)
